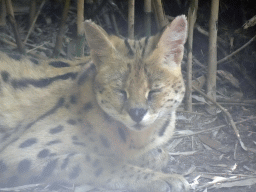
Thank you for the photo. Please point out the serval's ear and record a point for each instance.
(172, 41)
(99, 42)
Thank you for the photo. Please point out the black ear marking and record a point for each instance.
(145, 46)
(130, 51)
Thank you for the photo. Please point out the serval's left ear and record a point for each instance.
(172, 41)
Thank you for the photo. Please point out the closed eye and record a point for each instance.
(152, 93)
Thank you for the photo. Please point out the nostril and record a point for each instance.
(137, 114)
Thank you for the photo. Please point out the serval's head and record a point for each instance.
(138, 81)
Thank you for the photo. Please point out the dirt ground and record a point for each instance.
(214, 159)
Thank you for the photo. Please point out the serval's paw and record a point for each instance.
(168, 183)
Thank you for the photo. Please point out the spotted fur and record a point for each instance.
(99, 120)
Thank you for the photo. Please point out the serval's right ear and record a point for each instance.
(172, 41)
(98, 41)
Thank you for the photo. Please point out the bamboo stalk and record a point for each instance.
(32, 12)
(212, 58)
(147, 17)
(106, 18)
(60, 35)
(2, 13)
(114, 23)
(159, 12)
(80, 28)
(14, 26)
(34, 21)
(131, 8)
(98, 9)
(192, 14)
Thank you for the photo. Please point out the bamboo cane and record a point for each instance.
(14, 26)
(212, 58)
(131, 8)
(192, 14)
(60, 35)
(147, 21)
(80, 28)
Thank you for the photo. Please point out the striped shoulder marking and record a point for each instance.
(35, 61)
(16, 57)
(44, 82)
(59, 64)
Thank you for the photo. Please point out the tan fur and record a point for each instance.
(99, 122)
